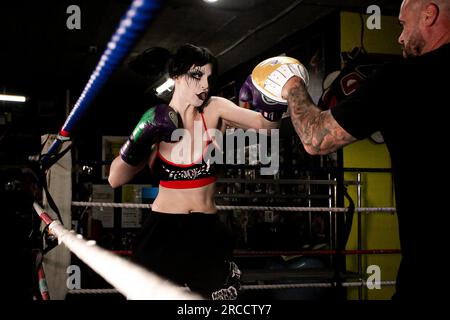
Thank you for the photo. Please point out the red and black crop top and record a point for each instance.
(185, 176)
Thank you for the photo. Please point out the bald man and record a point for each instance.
(407, 102)
(425, 25)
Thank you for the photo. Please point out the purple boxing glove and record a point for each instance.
(156, 125)
(270, 109)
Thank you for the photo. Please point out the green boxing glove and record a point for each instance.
(156, 125)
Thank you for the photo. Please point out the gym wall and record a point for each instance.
(379, 230)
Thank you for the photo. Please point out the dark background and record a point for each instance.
(50, 64)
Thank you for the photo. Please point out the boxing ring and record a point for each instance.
(138, 284)
(331, 283)
(154, 284)
(128, 279)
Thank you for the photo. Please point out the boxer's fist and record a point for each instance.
(156, 125)
(270, 109)
(271, 75)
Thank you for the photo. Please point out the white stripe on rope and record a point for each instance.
(315, 285)
(223, 207)
(131, 280)
(264, 286)
(93, 291)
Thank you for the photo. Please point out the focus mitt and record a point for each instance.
(271, 75)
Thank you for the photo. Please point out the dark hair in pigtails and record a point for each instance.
(188, 55)
(152, 62)
(156, 62)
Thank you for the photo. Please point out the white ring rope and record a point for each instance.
(224, 207)
(131, 280)
(315, 285)
(93, 291)
(265, 286)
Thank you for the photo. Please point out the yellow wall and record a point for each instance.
(379, 230)
(383, 40)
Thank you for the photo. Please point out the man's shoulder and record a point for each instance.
(396, 72)
(386, 75)
(441, 53)
(405, 67)
(394, 67)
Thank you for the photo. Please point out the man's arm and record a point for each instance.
(318, 130)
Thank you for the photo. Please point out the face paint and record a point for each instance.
(195, 74)
(197, 84)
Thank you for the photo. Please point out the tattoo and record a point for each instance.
(318, 131)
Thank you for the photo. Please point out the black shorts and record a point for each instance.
(193, 250)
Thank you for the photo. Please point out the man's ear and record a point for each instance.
(430, 14)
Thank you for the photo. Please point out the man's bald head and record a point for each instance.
(426, 26)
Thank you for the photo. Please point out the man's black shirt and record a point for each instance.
(407, 102)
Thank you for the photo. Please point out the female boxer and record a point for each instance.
(183, 239)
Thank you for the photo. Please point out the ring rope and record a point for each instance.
(248, 253)
(361, 283)
(131, 26)
(131, 280)
(254, 253)
(92, 291)
(225, 207)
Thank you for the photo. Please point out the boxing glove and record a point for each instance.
(156, 125)
(271, 75)
(270, 109)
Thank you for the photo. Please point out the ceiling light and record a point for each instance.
(11, 98)
(168, 85)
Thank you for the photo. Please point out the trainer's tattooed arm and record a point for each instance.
(318, 131)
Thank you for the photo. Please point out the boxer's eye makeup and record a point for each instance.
(195, 74)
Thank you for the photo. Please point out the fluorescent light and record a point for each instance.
(8, 97)
(165, 86)
(210, 0)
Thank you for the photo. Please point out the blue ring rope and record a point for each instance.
(131, 26)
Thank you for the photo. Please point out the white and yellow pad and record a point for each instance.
(271, 75)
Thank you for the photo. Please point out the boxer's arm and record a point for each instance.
(238, 117)
(318, 130)
(121, 172)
